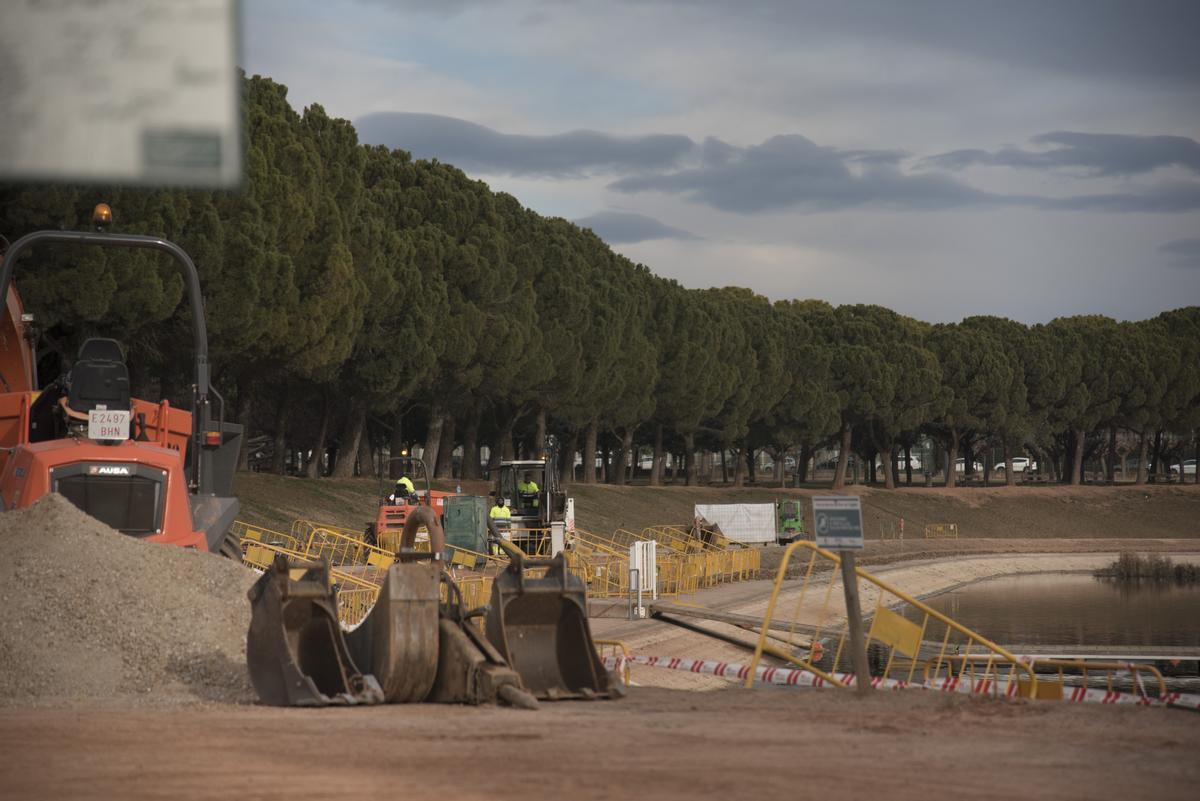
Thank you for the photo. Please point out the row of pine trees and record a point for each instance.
(360, 303)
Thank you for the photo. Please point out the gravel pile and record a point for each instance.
(89, 614)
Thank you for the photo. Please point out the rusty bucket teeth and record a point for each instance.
(295, 650)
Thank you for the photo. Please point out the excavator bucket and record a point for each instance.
(398, 640)
(470, 670)
(539, 626)
(295, 650)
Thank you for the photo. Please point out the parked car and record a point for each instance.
(900, 464)
(960, 465)
(1020, 465)
(1187, 467)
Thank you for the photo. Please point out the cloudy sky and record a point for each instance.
(944, 158)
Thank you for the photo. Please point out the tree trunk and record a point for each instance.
(502, 445)
(1196, 456)
(739, 467)
(752, 473)
(539, 441)
(1143, 454)
(470, 459)
(245, 416)
(839, 473)
(802, 464)
(433, 437)
(396, 446)
(952, 460)
(908, 465)
(348, 448)
(1110, 472)
(889, 476)
(567, 454)
(689, 465)
(366, 459)
(316, 463)
(724, 467)
(780, 468)
(620, 475)
(507, 446)
(445, 460)
(1051, 462)
(279, 460)
(1009, 478)
(1156, 457)
(1077, 457)
(656, 466)
(589, 453)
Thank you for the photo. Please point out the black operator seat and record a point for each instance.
(99, 377)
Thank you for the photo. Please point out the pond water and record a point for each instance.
(1075, 609)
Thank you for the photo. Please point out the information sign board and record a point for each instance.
(838, 522)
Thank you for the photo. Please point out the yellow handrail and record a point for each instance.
(889, 629)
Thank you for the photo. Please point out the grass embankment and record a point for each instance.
(1167, 512)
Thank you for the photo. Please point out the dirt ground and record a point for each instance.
(654, 744)
(660, 742)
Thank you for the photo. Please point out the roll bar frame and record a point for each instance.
(202, 422)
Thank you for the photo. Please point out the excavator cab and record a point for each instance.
(532, 511)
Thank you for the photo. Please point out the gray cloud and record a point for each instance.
(788, 171)
(792, 171)
(1182, 252)
(478, 148)
(1170, 198)
(1098, 154)
(617, 227)
(1153, 42)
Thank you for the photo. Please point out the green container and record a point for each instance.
(465, 522)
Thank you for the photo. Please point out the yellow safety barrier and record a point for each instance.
(686, 563)
(924, 638)
(248, 533)
(354, 604)
(687, 560)
(618, 650)
(1070, 669)
(533, 541)
(941, 531)
(358, 569)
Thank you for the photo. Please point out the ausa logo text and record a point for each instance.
(108, 470)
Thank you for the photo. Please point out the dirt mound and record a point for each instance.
(89, 614)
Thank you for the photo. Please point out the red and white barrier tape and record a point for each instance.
(798, 677)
